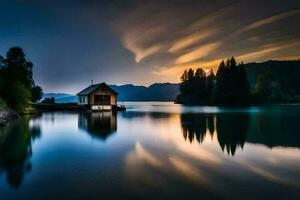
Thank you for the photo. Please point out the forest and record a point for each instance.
(231, 86)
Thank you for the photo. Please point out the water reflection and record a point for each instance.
(273, 129)
(195, 126)
(98, 124)
(233, 130)
(16, 149)
(150, 152)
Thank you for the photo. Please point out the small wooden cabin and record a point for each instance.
(98, 97)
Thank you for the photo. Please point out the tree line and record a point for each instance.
(17, 87)
(229, 86)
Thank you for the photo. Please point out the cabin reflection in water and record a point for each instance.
(98, 124)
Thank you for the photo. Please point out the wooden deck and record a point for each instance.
(68, 107)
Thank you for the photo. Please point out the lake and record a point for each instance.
(153, 150)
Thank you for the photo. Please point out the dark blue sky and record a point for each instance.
(141, 42)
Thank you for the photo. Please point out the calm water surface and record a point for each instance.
(154, 151)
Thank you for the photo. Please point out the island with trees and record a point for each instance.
(230, 86)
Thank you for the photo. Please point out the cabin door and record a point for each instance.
(102, 100)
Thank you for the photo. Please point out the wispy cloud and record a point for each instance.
(138, 41)
(141, 53)
(187, 41)
(258, 54)
(198, 53)
(270, 20)
(266, 51)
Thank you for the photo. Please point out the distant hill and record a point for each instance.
(56, 95)
(129, 92)
(286, 72)
(155, 92)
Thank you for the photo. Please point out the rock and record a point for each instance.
(7, 115)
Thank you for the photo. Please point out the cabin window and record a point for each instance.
(102, 99)
(82, 100)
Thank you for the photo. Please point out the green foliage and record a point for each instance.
(17, 96)
(267, 89)
(2, 103)
(286, 73)
(17, 87)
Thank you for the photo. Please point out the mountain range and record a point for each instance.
(129, 92)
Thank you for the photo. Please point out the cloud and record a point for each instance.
(198, 53)
(258, 54)
(270, 20)
(187, 41)
(141, 53)
(173, 38)
(189, 171)
(139, 40)
(173, 72)
(267, 51)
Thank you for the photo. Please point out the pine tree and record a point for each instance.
(210, 81)
(184, 76)
(190, 74)
(200, 73)
(232, 86)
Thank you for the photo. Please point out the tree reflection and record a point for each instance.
(231, 129)
(194, 126)
(16, 149)
(98, 124)
(276, 129)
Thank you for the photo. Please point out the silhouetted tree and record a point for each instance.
(18, 87)
(194, 88)
(210, 82)
(37, 93)
(184, 76)
(190, 74)
(200, 73)
(232, 86)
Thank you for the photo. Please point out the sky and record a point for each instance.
(141, 42)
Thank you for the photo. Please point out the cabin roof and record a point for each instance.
(94, 87)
